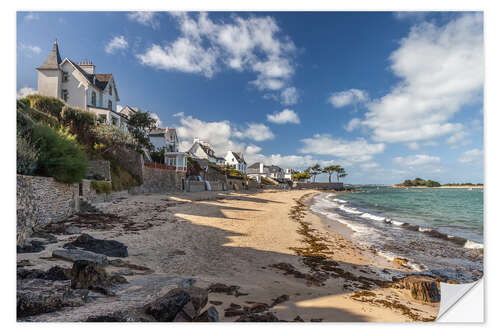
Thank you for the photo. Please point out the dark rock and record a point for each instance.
(210, 315)
(258, 317)
(224, 289)
(232, 312)
(259, 307)
(72, 230)
(316, 320)
(36, 296)
(298, 319)
(33, 246)
(235, 306)
(168, 306)
(24, 263)
(55, 273)
(281, 299)
(421, 288)
(199, 297)
(50, 239)
(110, 248)
(86, 274)
(135, 315)
(75, 255)
(215, 302)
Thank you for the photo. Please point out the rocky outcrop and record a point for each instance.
(75, 255)
(110, 248)
(421, 288)
(87, 274)
(56, 273)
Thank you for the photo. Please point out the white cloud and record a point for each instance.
(31, 49)
(473, 155)
(414, 160)
(457, 137)
(256, 132)
(157, 118)
(410, 15)
(31, 16)
(204, 47)
(441, 70)
(116, 44)
(369, 165)
(178, 114)
(289, 96)
(353, 124)
(348, 97)
(413, 145)
(25, 91)
(358, 150)
(283, 117)
(145, 18)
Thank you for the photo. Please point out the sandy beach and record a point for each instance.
(268, 243)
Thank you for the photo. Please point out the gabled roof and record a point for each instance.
(171, 131)
(53, 60)
(256, 165)
(273, 168)
(239, 157)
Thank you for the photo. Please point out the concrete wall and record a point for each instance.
(41, 200)
(217, 186)
(195, 186)
(155, 180)
(319, 186)
(101, 168)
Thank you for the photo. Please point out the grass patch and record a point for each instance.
(121, 179)
(101, 186)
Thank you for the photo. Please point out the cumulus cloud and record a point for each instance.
(25, 91)
(353, 124)
(116, 44)
(157, 119)
(31, 49)
(358, 150)
(473, 155)
(289, 96)
(283, 117)
(348, 97)
(414, 160)
(252, 44)
(441, 70)
(145, 18)
(256, 132)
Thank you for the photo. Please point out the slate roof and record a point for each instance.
(239, 157)
(53, 60)
(256, 165)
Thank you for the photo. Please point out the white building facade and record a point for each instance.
(80, 87)
(235, 160)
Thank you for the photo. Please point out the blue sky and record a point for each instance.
(387, 95)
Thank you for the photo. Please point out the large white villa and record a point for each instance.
(80, 86)
(235, 160)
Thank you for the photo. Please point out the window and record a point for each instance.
(102, 118)
(110, 91)
(94, 98)
(65, 95)
(114, 121)
(110, 105)
(65, 76)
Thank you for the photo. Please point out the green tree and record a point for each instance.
(330, 170)
(314, 171)
(139, 125)
(340, 173)
(301, 176)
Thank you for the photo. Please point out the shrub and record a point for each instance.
(27, 156)
(121, 179)
(158, 156)
(60, 156)
(46, 104)
(109, 137)
(80, 122)
(101, 186)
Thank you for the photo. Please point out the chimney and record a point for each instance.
(87, 66)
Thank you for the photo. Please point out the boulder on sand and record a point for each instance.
(75, 255)
(87, 274)
(421, 288)
(110, 248)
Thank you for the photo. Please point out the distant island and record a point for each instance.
(419, 182)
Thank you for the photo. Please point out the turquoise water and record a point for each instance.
(440, 231)
(457, 212)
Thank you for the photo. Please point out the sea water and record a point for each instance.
(440, 231)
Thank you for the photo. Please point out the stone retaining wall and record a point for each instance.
(41, 200)
(218, 186)
(195, 186)
(129, 160)
(319, 186)
(101, 168)
(155, 180)
(90, 195)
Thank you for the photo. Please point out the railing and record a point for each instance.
(164, 166)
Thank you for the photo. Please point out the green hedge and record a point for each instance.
(101, 186)
(46, 104)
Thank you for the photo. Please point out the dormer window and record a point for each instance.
(110, 105)
(110, 91)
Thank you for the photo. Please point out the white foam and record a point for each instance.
(421, 229)
(339, 200)
(350, 210)
(397, 223)
(372, 217)
(473, 245)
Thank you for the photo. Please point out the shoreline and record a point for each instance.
(267, 243)
(449, 186)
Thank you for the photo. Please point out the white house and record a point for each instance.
(80, 86)
(164, 138)
(257, 171)
(203, 151)
(288, 174)
(236, 161)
